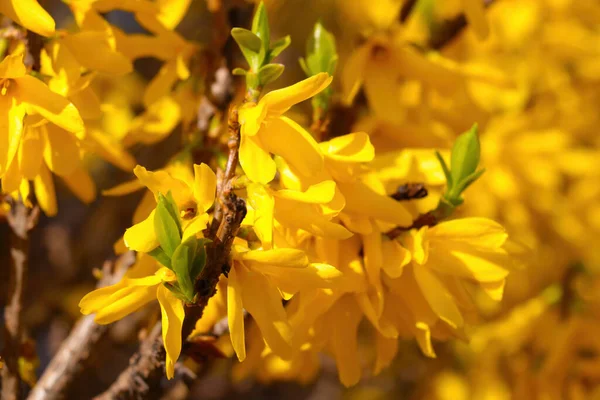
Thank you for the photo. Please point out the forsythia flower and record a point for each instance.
(265, 130)
(144, 282)
(29, 14)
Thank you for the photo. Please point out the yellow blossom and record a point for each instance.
(29, 14)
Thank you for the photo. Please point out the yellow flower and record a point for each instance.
(29, 14)
(256, 282)
(265, 130)
(38, 124)
(143, 283)
(193, 196)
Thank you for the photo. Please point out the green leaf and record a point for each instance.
(166, 227)
(239, 71)
(200, 259)
(181, 261)
(260, 27)
(269, 73)
(465, 155)
(279, 46)
(465, 183)
(446, 171)
(243, 40)
(176, 290)
(321, 53)
(304, 66)
(173, 210)
(159, 255)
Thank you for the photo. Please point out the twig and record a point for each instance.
(21, 221)
(142, 378)
(75, 350)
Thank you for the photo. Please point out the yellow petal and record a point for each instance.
(354, 72)
(255, 161)
(61, 152)
(12, 66)
(353, 147)
(50, 105)
(467, 262)
(99, 298)
(261, 200)
(251, 117)
(263, 301)
(159, 120)
(195, 226)
(294, 280)
(103, 145)
(172, 314)
(172, 12)
(494, 289)
(476, 232)
(235, 314)
(29, 14)
(124, 188)
(320, 193)
(279, 101)
(298, 148)
(289, 258)
(123, 302)
(344, 319)
(363, 200)
(141, 237)
(16, 113)
(307, 217)
(44, 191)
(81, 184)
(163, 182)
(160, 86)
(93, 50)
(30, 153)
(11, 180)
(438, 297)
(395, 258)
(205, 184)
(475, 12)
(386, 349)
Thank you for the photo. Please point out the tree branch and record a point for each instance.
(142, 378)
(21, 221)
(75, 350)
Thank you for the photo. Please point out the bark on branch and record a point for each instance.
(141, 380)
(75, 350)
(21, 221)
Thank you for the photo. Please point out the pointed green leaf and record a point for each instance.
(159, 255)
(447, 174)
(465, 155)
(279, 46)
(182, 265)
(176, 290)
(239, 71)
(200, 259)
(166, 227)
(269, 73)
(260, 27)
(173, 210)
(247, 39)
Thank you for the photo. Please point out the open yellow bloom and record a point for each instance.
(256, 282)
(29, 14)
(265, 130)
(193, 196)
(143, 283)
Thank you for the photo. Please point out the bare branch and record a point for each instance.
(21, 221)
(75, 350)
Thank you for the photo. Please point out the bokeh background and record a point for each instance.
(533, 86)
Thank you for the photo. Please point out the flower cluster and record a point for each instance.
(379, 221)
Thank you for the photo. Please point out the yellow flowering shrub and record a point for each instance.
(412, 208)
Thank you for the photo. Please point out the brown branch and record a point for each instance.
(142, 378)
(75, 350)
(21, 221)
